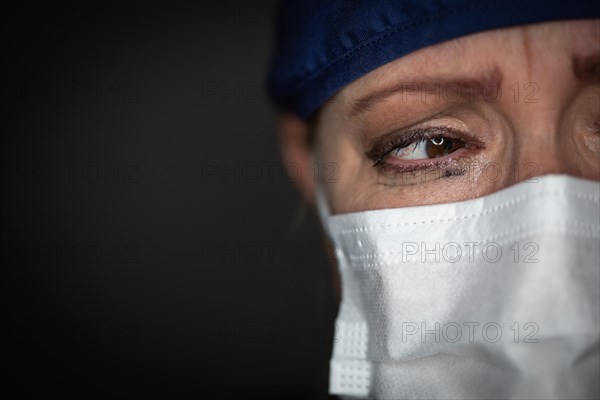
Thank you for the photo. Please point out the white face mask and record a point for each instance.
(495, 297)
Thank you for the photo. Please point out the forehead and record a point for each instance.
(483, 54)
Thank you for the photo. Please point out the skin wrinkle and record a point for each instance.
(469, 86)
(533, 57)
(528, 50)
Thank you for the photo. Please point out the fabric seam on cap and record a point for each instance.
(390, 31)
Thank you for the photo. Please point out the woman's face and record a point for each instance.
(465, 118)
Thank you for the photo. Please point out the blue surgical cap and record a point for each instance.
(323, 45)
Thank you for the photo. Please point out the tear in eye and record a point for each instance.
(431, 148)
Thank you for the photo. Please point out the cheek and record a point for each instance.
(353, 184)
(337, 167)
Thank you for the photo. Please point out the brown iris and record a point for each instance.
(441, 146)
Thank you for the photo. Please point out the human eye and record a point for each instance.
(422, 149)
(435, 147)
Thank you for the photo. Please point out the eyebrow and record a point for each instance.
(585, 69)
(466, 83)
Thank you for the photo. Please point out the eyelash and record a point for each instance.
(399, 140)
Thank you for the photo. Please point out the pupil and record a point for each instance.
(438, 147)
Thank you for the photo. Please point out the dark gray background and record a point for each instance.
(151, 241)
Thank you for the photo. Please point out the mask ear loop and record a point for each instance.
(323, 207)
